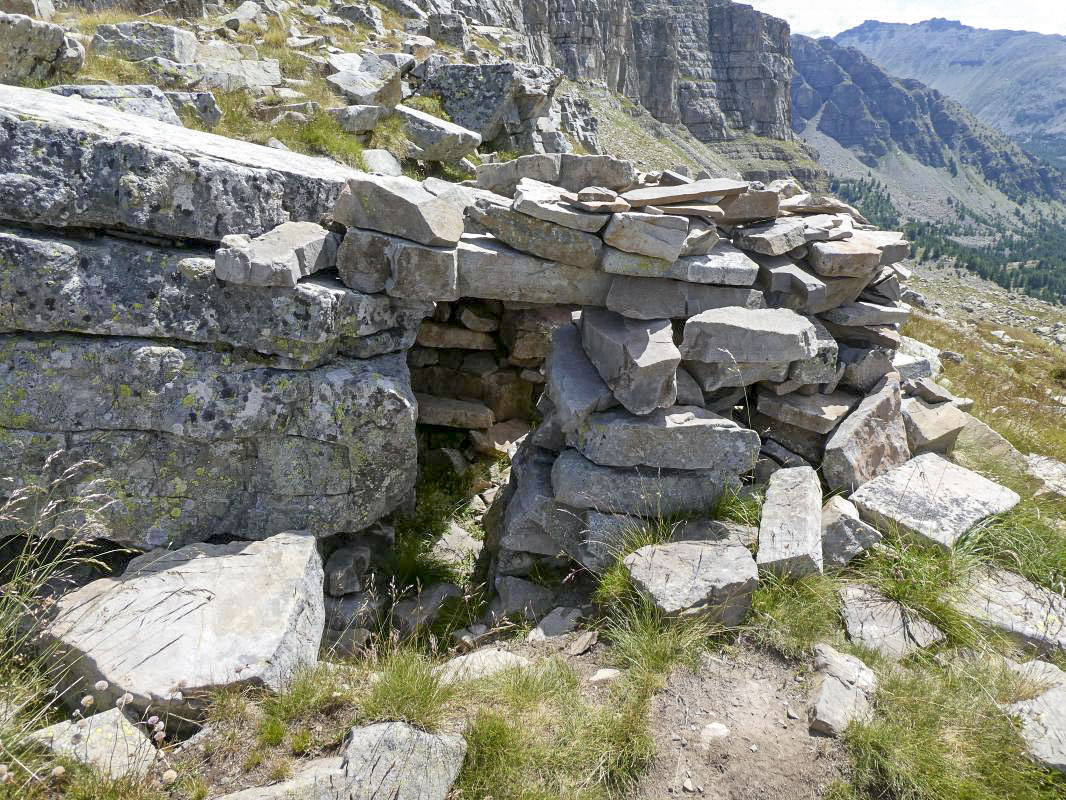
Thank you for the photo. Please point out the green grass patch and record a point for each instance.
(428, 104)
(791, 616)
(406, 688)
(649, 644)
(1029, 540)
(391, 134)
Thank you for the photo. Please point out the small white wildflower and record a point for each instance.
(101, 686)
(152, 720)
(58, 773)
(169, 777)
(159, 736)
(159, 726)
(125, 700)
(3, 771)
(87, 701)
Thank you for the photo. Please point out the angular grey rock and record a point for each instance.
(259, 604)
(843, 692)
(853, 258)
(360, 118)
(364, 14)
(374, 82)
(246, 14)
(713, 377)
(533, 521)
(577, 172)
(106, 742)
(279, 257)
(754, 336)
(651, 298)
(227, 75)
(449, 29)
(419, 612)
(168, 181)
(541, 200)
(38, 9)
(864, 368)
(715, 579)
(978, 445)
(116, 287)
(201, 443)
(559, 622)
(931, 428)
(750, 206)
(863, 312)
(135, 41)
(145, 100)
(636, 359)
(1043, 717)
(638, 491)
(844, 535)
(724, 265)
(660, 237)
(871, 441)
(437, 139)
(931, 498)
(201, 105)
(345, 569)
(402, 207)
(883, 625)
(382, 162)
(678, 437)
(820, 413)
(1007, 602)
(319, 779)
(363, 261)
(483, 663)
(574, 385)
(701, 240)
(822, 367)
(502, 178)
(492, 271)
(689, 392)
(538, 237)
(790, 532)
(515, 596)
(451, 413)
(395, 760)
(916, 360)
(772, 238)
(710, 188)
(1049, 471)
(34, 50)
(453, 337)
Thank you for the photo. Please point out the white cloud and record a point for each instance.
(830, 17)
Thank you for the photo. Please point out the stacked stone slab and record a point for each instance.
(173, 311)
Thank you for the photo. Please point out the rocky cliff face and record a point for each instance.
(848, 97)
(715, 66)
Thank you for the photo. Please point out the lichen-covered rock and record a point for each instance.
(437, 139)
(69, 163)
(107, 742)
(134, 41)
(143, 99)
(201, 443)
(34, 50)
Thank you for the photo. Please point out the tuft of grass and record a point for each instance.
(1030, 539)
(791, 616)
(407, 688)
(322, 135)
(735, 507)
(271, 731)
(311, 690)
(428, 104)
(391, 134)
(302, 742)
(650, 644)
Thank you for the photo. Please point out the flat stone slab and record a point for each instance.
(933, 499)
(72, 163)
(697, 190)
(863, 312)
(790, 532)
(658, 298)
(482, 663)
(844, 689)
(850, 258)
(1009, 603)
(400, 762)
(401, 207)
(579, 483)
(436, 138)
(724, 265)
(820, 413)
(449, 412)
(748, 335)
(675, 438)
(715, 579)
(279, 257)
(538, 237)
(869, 442)
(107, 742)
(542, 200)
(713, 377)
(178, 625)
(772, 238)
(656, 236)
(574, 385)
(880, 624)
(932, 428)
(1043, 716)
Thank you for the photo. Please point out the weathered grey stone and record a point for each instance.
(38, 9)
(577, 172)
(820, 413)
(503, 177)
(382, 162)
(257, 618)
(636, 359)
(844, 535)
(492, 271)
(451, 413)
(772, 238)
(534, 522)
(724, 265)
(749, 206)
(802, 442)
(786, 458)
(453, 337)
(134, 41)
(790, 532)
(639, 491)
(201, 443)
(822, 366)
(375, 82)
(515, 596)
(395, 760)
(883, 625)
(708, 189)
(482, 663)
(538, 237)
(701, 240)
(916, 360)
(227, 75)
(853, 258)
(34, 50)
(574, 385)
(402, 207)
(364, 14)
(676, 438)
(651, 298)
(436, 138)
(843, 692)
(419, 612)
(871, 441)
(165, 180)
(541, 200)
(245, 15)
(279, 257)
(754, 336)
(145, 100)
(1043, 716)
(689, 392)
(1011, 604)
(864, 368)
(319, 779)
(559, 622)
(712, 377)
(931, 498)
(863, 312)
(978, 446)
(201, 105)
(345, 569)
(659, 237)
(931, 428)
(106, 742)
(359, 118)
(1049, 471)
(715, 579)
(117, 287)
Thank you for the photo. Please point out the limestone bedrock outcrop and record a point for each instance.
(177, 625)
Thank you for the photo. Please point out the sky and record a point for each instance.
(830, 17)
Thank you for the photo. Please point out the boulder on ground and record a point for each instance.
(397, 761)
(436, 138)
(135, 41)
(884, 625)
(1043, 716)
(843, 692)
(483, 663)
(790, 532)
(32, 50)
(931, 428)
(844, 535)
(1011, 604)
(145, 100)
(106, 742)
(402, 207)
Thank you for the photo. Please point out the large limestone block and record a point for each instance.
(819, 413)
(437, 139)
(708, 189)
(178, 625)
(203, 443)
(574, 385)
(1011, 604)
(71, 163)
(106, 742)
(577, 172)
(637, 359)
(492, 271)
(541, 200)
(847, 258)
(648, 492)
(844, 689)
(715, 579)
(932, 499)
(712, 377)
(675, 438)
(225, 75)
(754, 336)
(772, 238)
(657, 298)
(369, 261)
(883, 625)
(750, 206)
(400, 762)
(932, 428)
(503, 177)
(790, 532)
(538, 237)
(723, 265)
(34, 50)
(134, 41)
(402, 207)
(844, 535)
(658, 236)
(279, 257)
(116, 287)
(1043, 716)
(871, 441)
(143, 99)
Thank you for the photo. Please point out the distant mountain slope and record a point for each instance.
(1014, 81)
(923, 142)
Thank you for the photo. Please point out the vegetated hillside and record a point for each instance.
(1011, 80)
